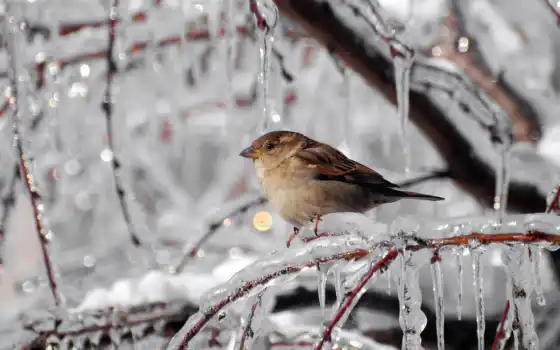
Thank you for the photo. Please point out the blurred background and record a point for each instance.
(134, 138)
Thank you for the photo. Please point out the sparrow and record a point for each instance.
(305, 179)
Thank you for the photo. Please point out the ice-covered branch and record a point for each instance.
(241, 207)
(455, 46)
(500, 332)
(350, 297)
(555, 9)
(259, 275)
(94, 326)
(355, 47)
(15, 30)
(107, 106)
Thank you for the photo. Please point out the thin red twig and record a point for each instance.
(213, 228)
(554, 10)
(247, 330)
(500, 332)
(554, 202)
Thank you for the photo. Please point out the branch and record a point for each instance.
(554, 10)
(247, 330)
(103, 321)
(214, 227)
(469, 171)
(43, 234)
(524, 118)
(500, 332)
(434, 244)
(107, 106)
(191, 329)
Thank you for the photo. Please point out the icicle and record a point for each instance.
(388, 275)
(478, 297)
(516, 339)
(403, 66)
(411, 317)
(322, 288)
(265, 51)
(459, 263)
(437, 284)
(228, 42)
(337, 272)
(504, 137)
(502, 184)
(347, 114)
(537, 283)
(521, 286)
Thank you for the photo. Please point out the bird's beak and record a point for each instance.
(250, 152)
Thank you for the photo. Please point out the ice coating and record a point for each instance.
(437, 281)
(284, 264)
(479, 297)
(519, 267)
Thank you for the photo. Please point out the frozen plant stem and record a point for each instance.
(463, 240)
(500, 333)
(15, 29)
(213, 228)
(247, 330)
(107, 106)
(198, 322)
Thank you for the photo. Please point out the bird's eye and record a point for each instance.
(269, 146)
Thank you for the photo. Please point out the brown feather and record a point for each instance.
(333, 165)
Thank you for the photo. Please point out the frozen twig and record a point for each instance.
(260, 18)
(455, 46)
(434, 244)
(8, 201)
(181, 342)
(14, 31)
(100, 322)
(554, 10)
(107, 106)
(500, 332)
(554, 202)
(214, 226)
(247, 330)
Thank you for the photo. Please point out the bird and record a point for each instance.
(305, 179)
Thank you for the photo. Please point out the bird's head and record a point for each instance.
(274, 147)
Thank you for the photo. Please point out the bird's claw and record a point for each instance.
(292, 236)
(315, 219)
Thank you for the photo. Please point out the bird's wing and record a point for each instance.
(333, 165)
